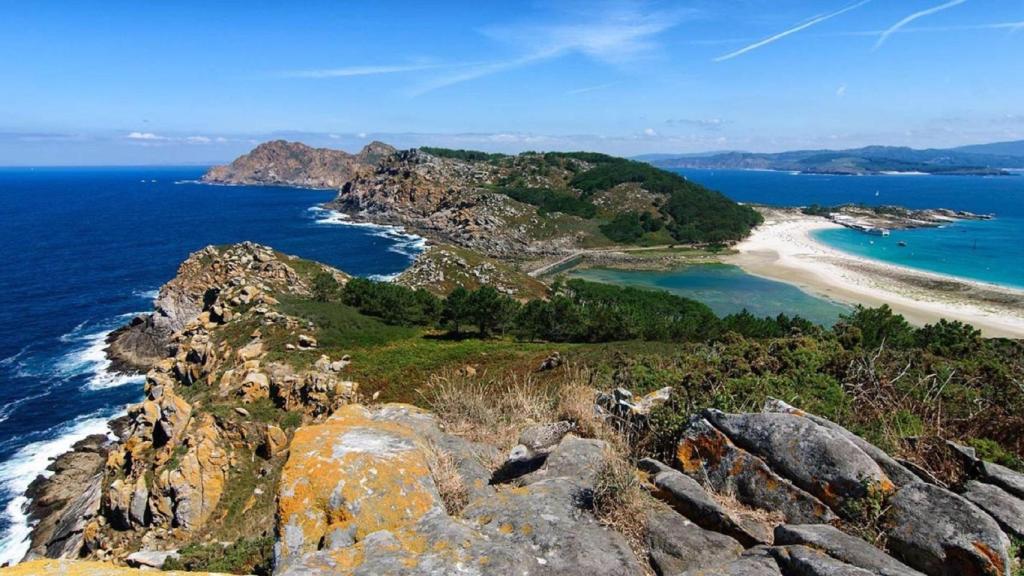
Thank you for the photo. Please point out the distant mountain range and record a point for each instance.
(983, 159)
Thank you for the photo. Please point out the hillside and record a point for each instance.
(283, 163)
(305, 422)
(509, 207)
(1011, 148)
(867, 160)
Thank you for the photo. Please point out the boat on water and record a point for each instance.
(901, 244)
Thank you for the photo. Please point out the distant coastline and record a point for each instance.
(783, 248)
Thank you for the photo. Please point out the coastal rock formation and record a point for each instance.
(211, 285)
(295, 164)
(63, 504)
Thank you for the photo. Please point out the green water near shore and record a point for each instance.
(726, 289)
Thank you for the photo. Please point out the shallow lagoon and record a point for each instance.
(726, 289)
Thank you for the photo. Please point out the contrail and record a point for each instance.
(780, 35)
(885, 35)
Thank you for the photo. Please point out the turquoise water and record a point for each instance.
(985, 251)
(726, 289)
(989, 251)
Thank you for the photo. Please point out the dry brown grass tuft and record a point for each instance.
(741, 511)
(448, 480)
(621, 502)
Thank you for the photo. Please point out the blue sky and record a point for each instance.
(170, 82)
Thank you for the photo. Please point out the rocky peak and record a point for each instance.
(284, 163)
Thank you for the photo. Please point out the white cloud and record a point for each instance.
(198, 139)
(650, 132)
(144, 136)
(704, 123)
(615, 35)
(919, 14)
(841, 91)
(795, 29)
(361, 135)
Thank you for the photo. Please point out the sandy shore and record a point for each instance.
(783, 249)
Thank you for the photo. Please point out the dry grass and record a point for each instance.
(741, 511)
(495, 410)
(621, 502)
(449, 482)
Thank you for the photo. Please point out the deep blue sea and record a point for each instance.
(83, 250)
(989, 251)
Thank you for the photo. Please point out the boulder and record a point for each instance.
(348, 478)
(842, 546)
(255, 386)
(1007, 510)
(757, 561)
(688, 498)
(579, 458)
(707, 455)
(896, 472)
(677, 545)
(546, 519)
(1008, 480)
(250, 351)
(804, 561)
(175, 413)
(943, 534)
(150, 558)
(816, 458)
(197, 483)
(274, 441)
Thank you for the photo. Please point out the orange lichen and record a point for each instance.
(80, 568)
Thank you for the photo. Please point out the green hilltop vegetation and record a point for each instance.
(872, 371)
(681, 211)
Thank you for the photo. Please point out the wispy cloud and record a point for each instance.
(919, 14)
(616, 35)
(702, 123)
(586, 89)
(813, 21)
(348, 71)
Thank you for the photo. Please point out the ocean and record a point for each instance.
(84, 250)
(988, 251)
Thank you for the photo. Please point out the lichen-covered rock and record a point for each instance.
(357, 497)
(1007, 510)
(804, 561)
(195, 486)
(687, 497)
(677, 545)
(842, 546)
(899, 474)
(707, 455)
(274, 441)
(347, 478)
(943, 534)
(83, 568)
(819, 460)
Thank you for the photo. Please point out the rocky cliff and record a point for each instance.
(294, 164)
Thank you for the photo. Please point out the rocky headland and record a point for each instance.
(255, 439)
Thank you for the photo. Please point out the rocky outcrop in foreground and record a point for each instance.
(359, 496)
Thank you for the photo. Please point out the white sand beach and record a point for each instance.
(783, 249)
